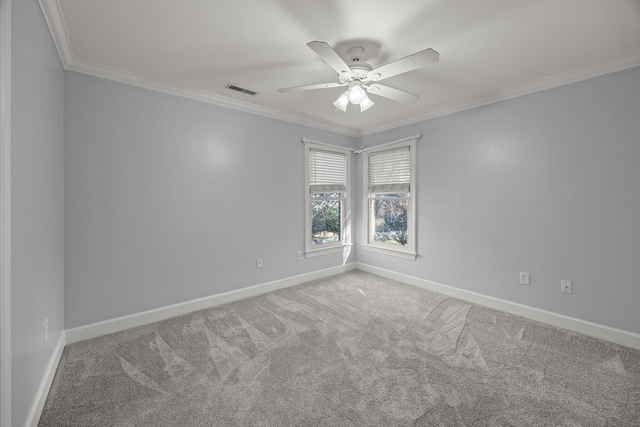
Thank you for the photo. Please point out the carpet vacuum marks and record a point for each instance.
(349, 350)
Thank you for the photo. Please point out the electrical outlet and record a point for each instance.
(299, 255)
(524, 278)
(259, 263)
(46, 330)
(565, 286)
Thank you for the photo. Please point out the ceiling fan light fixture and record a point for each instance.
(366, 103)
(358, 75)
(342, 101)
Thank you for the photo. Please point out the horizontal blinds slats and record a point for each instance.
(327, 188)
(390, 171)
(327, 171)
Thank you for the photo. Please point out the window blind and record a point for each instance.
(390, 171)
(327, 171)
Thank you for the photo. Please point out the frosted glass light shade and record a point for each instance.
(366, 103)
(342, 101)
(357, 95)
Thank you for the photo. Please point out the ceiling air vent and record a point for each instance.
(241, 89)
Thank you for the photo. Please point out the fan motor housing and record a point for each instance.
(359, 70)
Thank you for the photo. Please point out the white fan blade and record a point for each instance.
(391, 93)
(409, 63)
(310, 87)
(330, 57)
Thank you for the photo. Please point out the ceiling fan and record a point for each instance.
(361, 77)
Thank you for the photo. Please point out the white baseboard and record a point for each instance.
(617, 336)
(43, 391)
(131, 321)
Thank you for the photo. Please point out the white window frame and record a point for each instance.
(409, 251)
(332, 247)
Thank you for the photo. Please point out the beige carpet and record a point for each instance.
(350, 350)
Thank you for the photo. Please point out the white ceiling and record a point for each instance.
(489, 50)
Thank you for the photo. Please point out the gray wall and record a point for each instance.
(546, 184)
(37, 203)
(169, 199)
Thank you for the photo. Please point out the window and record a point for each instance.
(326, 189)
(390, 186)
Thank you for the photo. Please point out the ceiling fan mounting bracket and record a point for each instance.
(355, 53)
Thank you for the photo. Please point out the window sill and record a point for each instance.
(392, 252)
(325, 251)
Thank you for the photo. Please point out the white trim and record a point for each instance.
(5, 213)
(501, 95)
(310, 250)
(58, 29)
(328, 250)
(138, 319)
(55, 21)
(43, 391)
(606, 67)
(614, 335)
(618, 336)
(390, 251)
(411, 250)
(138, 80)
(397, 141)
(326, 144)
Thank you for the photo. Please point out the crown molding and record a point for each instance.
(561, 79)
(145, 82)
(55, 21)
(58, 29)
